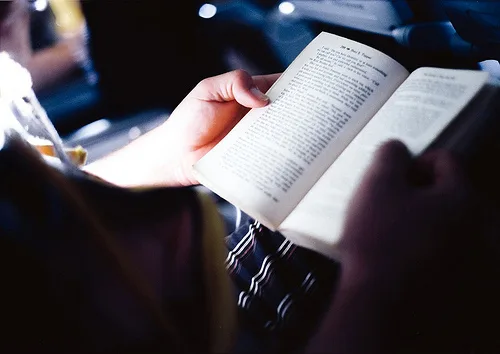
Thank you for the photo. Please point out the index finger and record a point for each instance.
(390, 164)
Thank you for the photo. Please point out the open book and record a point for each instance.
(294, 164)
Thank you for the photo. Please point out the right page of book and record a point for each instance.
(420, 109)
(271, 159)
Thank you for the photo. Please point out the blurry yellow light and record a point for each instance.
(69, 16)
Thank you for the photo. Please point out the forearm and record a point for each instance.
(52, 65)
(151, 160)
(361, 316)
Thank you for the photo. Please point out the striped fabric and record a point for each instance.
(281, 288)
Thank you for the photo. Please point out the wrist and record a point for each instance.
(177, 165)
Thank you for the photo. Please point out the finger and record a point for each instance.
(264, 82)
(443, 169)
(448, 192)
(236, 85)
(390, 164)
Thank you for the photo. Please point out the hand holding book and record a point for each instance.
(200, 121)
(295, 164)
(396, 221)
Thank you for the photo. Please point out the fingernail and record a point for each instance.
(258, 94)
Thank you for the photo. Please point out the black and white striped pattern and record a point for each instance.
(281, 288)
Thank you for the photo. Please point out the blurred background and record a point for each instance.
(131, 62)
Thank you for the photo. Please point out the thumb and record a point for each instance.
(390, 164)
(236, 85)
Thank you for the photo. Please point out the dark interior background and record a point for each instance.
(153, 52)
(149, 54)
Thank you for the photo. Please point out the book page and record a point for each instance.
(269, 161)
(473, 123)
(421, 108)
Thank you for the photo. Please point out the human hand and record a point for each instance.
(400, 219)
(208, 113)
(165, 155)
(396, 220)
